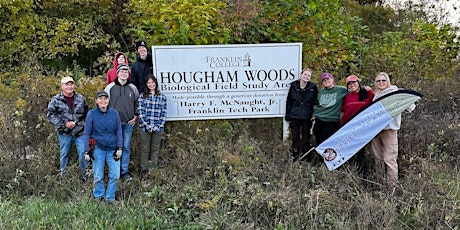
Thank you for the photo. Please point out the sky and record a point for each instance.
(452, 7)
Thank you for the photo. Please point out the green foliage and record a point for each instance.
(225, 174)
(165, 22)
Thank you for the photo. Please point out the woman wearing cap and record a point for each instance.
(329, 108)
(357, 98)
(299, 111)
(152, 117)
(385, 144)
(104, 125)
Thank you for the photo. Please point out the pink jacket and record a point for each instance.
(112, 74)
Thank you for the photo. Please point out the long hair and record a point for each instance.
(146, 89)
(363, 94)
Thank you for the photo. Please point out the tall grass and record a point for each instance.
(233, 174)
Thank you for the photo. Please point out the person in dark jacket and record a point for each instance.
(67, 111)
(123, 98)
(103, 124)
(299, 111)
(142, 67)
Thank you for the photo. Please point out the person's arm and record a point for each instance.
(88, 131)
(54, 116)
(119, 130)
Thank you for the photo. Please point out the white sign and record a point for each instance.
(226, 81)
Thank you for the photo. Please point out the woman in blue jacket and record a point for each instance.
(103, 124)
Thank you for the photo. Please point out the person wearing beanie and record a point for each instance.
(119, 58)
(357, 98)
(123, 98)
(143, 65)
(67, 111)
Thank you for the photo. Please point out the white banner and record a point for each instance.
(226, 81)
(360, 130)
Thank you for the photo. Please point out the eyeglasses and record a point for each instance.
(384, 80)
(351, 82)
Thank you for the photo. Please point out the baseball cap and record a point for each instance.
(101, 94)
(67, 79)
(351, 78)
(326, 75)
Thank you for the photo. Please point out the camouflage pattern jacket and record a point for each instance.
(59, 113)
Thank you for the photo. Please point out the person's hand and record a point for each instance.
(132, 121)
(89, 156)
(367, 88)
(117, 154)
(70, 124)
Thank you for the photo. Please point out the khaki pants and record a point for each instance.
(385, 149)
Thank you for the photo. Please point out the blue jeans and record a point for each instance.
(65, 145)
(100, 158)
(127, 135)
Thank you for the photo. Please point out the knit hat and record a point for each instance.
(326, 75)
(351, 78)
(141, 43)
(101, 93)
(122, 67)
(67, 79)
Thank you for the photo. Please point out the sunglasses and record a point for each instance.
(381, 80)
(351, 82)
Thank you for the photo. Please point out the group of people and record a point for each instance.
(331, 107)
(103, 134)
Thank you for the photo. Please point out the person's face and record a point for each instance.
(102, 102)
(68, 88)
(121, 59)
(123, 74)
(305, 76)
(142, 50)
(353, 86)
(328, 82)
(151, 84)
(381, 82)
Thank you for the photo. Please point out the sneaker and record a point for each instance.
(126, 177)
(113, 202)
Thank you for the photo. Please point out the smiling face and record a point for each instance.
(102, 102)
(142, 50)
(121, 59)
(353, 86)
(305, 76)
(151, 85)
(382, 81)
(328, 82)
(68, 88)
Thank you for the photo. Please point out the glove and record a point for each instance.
(117, 154)
(89, 156)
